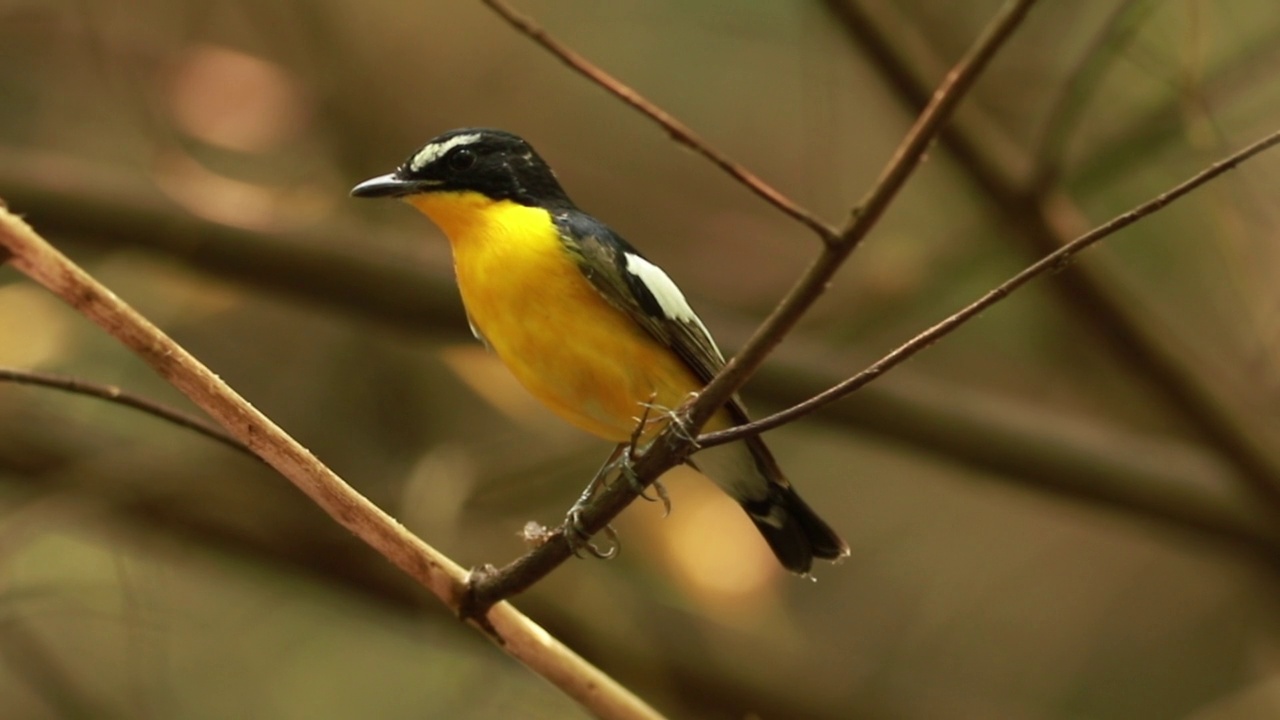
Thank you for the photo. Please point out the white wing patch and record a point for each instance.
(435, 151)
(669, 297)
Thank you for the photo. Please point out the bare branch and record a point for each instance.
(678, 131)
(503, 624)
(1165, 367)
(1050, 263)
(1173, 487)
(904, 162)
(670, 447)
(113, 394)
(1127, 478)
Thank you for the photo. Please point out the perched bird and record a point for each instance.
(587, 324)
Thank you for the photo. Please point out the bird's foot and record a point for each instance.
(579, 540)
(673, 417)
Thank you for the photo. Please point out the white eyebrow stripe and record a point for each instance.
(435, 151)
(664, 290)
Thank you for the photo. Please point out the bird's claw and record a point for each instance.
(671, 417)
(579, 539)
(622, 460)
(639, 489)
(661, 490)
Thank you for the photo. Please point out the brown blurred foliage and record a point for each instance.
(1040, 529)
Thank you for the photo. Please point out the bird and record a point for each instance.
(586, 323)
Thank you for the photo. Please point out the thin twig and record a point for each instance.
(900, 167)
(1050, 263)
(678, 131)
(503, 624)
(113, 394)
(1039, 449)
(1139, 477)
(669, 448)
(1153, 359)
(1040, 456)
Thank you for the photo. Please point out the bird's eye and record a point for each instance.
(462, 159)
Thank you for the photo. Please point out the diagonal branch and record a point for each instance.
(503, 624)
(1032, 218)
(673, 444)
(1052, 262)
(113, 394)
(1044, 455)
(864, 217)
(678, 131)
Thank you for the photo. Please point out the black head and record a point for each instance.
(493, 163)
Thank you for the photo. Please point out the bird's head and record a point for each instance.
(492, 163)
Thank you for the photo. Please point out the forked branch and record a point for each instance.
(671, 446)
(1050, 263)
(503, 624)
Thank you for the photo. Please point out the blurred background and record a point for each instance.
(1067, 509)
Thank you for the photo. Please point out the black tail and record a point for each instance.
(747, 471)
(793, 530)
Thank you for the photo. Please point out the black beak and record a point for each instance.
(386, 186)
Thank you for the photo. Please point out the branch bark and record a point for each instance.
(678, 131)
(502, 623)
(671, 446)
(1055, 261)
(1033, 217)
(1031, 451)
(113, 394)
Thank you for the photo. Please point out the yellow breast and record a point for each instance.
(582, 357)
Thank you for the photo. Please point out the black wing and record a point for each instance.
(643, 292)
